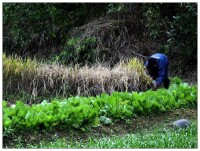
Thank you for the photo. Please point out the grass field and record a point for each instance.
(160, 137)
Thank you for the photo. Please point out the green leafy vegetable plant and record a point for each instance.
(79, 112)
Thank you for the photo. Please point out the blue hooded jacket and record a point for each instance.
(162, 61)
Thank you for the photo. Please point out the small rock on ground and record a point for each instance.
(182, 123)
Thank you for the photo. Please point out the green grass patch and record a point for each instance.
(165, 138)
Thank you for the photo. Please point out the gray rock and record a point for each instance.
(182, 123)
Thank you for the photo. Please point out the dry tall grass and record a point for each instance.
(43, 79)
(18, 74)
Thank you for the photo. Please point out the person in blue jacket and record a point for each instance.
(157, 66)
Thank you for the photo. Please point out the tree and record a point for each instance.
(182, 34)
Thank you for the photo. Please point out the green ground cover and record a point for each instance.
(161, 137)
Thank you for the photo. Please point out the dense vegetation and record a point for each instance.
(32, 79)
(78, 68)
(42, 28)
(81, 111)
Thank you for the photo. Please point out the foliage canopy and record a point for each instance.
(45, 30)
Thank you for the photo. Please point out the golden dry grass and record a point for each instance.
(41, 79)
(18, 73)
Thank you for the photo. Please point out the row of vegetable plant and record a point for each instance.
(93, 111)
